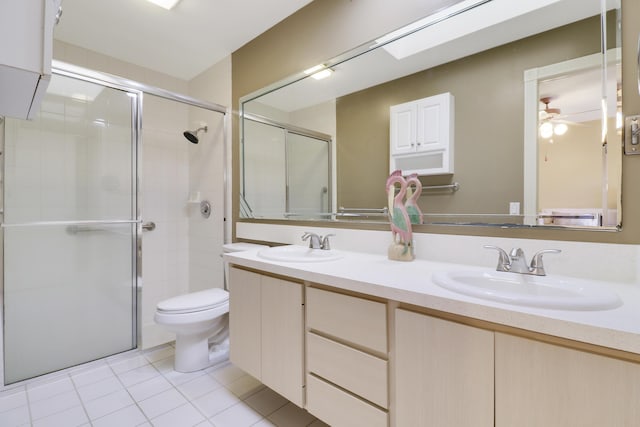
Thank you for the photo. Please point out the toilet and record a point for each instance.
(200, 321)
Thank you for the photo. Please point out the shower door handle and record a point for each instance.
(149, 226)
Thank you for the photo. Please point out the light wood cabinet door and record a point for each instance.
(245, 321)
(539, 384)
(444, 373)
(339, 408)
(283, 338)
(356, 371)
(357, 321)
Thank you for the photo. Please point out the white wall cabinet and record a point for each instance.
(443, 371)
(26, 38)
(422, 136)
(266, 320)
(539, 384)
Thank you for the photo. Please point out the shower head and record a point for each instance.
(192, 135)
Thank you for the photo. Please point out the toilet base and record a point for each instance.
(193, 353)
(219, 353)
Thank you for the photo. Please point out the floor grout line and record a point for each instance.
(135, 402)
(145, 360)
(75, 387)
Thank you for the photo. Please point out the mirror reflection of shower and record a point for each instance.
(192, 135)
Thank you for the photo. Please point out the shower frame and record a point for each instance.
(291, 130)
(130, 86)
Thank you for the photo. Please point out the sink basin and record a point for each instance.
(533, 291)
(294, 253)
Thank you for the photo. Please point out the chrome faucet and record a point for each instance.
(325, 242)
(317, 242)
(516, 262)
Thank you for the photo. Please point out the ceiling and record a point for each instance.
(182, 42)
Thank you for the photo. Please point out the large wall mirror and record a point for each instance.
(535, 135)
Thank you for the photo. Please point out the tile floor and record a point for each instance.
(142, 389)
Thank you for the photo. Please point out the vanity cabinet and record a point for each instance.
(347, 359)
(354, 360)
(443, 372)
(540, 384)
(26, 34)
(266, 318)
(421, 136)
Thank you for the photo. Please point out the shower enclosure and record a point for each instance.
(70, 228)
(286, 170)
(72, 197)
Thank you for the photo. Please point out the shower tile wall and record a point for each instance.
(205, 236)
(206, 175)
(164, 191)
(182, 254)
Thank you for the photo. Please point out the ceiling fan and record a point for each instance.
(548, 113)
(550, 121)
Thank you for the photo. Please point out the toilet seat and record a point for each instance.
(194, 302)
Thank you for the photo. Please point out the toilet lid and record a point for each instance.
(195, 301)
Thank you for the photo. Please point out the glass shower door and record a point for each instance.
(308, 168)
(69, 229)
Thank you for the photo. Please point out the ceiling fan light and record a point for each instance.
(546, 130)
(560, 129)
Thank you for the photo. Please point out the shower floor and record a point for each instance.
(140, 388)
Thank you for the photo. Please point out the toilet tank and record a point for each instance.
(240, 247)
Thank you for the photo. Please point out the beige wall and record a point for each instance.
(327, 28)
(570, 168)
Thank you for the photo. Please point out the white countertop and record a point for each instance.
(410, 282)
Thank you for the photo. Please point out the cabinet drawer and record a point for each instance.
(356, 320)
(354, 370)
(338, 408)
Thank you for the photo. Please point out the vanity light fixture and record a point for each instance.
(322, 74)
(314, 69)
(166, 4)
(319, 72)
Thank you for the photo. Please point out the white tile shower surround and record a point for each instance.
(140, 388)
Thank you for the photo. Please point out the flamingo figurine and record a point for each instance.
(391, 194)
(400, 223)
(413, 210)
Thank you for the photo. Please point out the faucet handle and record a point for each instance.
(314, 240)
(504, 262)
(325, 242)
(537, 266)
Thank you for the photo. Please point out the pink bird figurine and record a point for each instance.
(413, 210)
(400, 222)
(391, 194)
